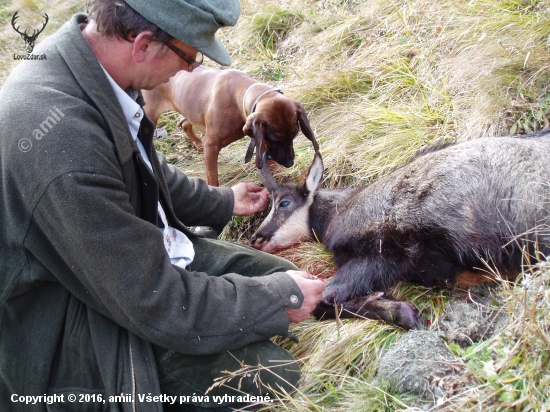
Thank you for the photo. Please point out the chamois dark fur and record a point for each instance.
(449, 218)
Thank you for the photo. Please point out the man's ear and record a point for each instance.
(142, 46)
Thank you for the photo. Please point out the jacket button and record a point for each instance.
(294, 299)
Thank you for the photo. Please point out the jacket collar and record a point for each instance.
(80, 58)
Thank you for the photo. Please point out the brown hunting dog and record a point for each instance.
(226, 105)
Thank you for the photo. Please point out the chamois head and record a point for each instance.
(288, 221)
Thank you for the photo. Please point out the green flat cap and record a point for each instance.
(194, 22)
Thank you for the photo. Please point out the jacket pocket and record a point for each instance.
(76, 317)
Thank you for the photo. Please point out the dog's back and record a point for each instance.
(210, 101)
(186, 91)
(226, 105)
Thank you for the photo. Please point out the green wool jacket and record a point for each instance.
(85, 282)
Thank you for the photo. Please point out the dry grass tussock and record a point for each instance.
(509, 371)
(381, 79)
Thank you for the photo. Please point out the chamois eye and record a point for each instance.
(284, 203)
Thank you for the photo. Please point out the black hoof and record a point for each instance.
(375, 306)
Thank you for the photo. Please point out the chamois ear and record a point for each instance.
(315, 173)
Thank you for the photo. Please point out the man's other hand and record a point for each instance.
(312, 288)
(249, 199)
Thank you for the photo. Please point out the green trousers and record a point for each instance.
(251, 370)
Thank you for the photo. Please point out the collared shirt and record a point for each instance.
(178, 246)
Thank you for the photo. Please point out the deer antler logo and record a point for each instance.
(29, 40)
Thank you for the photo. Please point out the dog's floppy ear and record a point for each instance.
(255, 129)
(304, 125)
(248, 128)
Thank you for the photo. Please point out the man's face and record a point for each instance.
(163, 64)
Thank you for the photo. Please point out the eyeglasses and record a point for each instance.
(193, 63)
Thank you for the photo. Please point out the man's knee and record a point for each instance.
(257, 371)
(235, 258)
(276, 369)
(263, 368)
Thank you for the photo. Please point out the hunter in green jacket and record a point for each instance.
(91, 304)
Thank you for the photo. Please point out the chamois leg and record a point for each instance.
(353, 289)
(375, 306)
(359, 277)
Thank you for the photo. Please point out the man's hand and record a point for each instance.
(312, 288)
(249, 199)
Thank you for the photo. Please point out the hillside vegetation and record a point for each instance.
(381, 79)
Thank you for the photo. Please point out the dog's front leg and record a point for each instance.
(211, 152)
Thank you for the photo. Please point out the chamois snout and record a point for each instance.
(259, 241)
(273, 236)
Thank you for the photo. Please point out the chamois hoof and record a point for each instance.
(375, 306)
